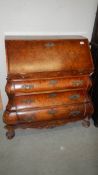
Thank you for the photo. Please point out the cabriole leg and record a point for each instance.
(86, 122)
(10, 133)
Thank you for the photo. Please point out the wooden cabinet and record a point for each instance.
(48, 80)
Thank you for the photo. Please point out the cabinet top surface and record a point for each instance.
(43, 37)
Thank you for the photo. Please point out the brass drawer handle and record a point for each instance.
(27, 101)
(49, 44)
(52, 95)
(52, 111)
(27, 86)
(77, 82)
(53, 82)
(74, 113)
(74, 97)
(30, 118)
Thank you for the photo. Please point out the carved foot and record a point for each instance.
(86, 123)
(10, 134)
(96, 124)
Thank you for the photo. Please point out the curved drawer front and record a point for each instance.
(72, 112)
(24, 86)
(48, 99)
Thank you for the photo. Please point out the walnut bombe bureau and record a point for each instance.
(48, 81)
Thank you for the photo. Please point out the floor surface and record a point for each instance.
(66, 150)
